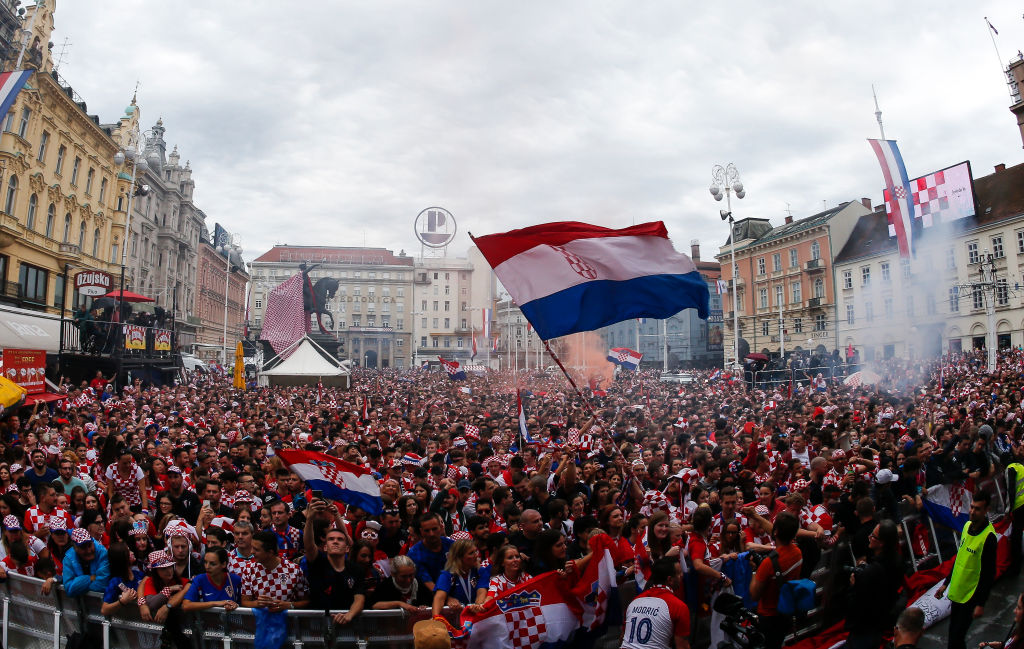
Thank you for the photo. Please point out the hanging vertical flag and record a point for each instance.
(364, 414)
(486, 315)
(473, 355)
(898, 186)
(11, 84)
(494, 346)
(722, 286)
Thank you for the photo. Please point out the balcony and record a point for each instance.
(815, 303)
(739, 282)
(814, 266)
(69, 251)
(421, 278)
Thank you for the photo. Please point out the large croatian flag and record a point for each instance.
(540, 612)
(569, 277)
(597, 588)
(455, 373)
(11, 84)
(339, 480)
(898, 186)
(625, 357)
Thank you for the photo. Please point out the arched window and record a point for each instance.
(96, 242)
(67, 228)
(81, 236)
(103, 189)
(12, 193)
(815, 250)
(33, 203)
(819, 288)
(50, 216)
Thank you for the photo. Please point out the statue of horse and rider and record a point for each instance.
(315, 297)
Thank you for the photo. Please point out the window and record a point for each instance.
(847, 279)
(81, 237)
(400, 324)
(1002, 292)
(951, 258)
(447, 323)
(435, 322)
(88, 180)
(819, 288)
(905, 264)
(997, 247)
(435, 305)
(435, 275)
(44, 141)
(865, 275)
(447, 305)
(780, 295)
(423, 305)
(794, 258)
(113, 253)
(23, 126)
(30, 221)
(929, 303)
(74, 170)
(910, 306)
(61, 152)
(460, 342)
(50, 217)
(12, 194)
(954, 300)
(869, 312)
(9, 124)
(1020, 242)
(849, 314)
(796, 291)
(58, 292)
(400, 292)
(798, 325)
(465, 306)
(67, 228)
(423, 322)
(886, 274)
(258, 303)
(764, 298)
(820, 323)
(760, 266)
(447, 290)
(423, 341)
(433, 339)
(777, 262)
(764, 328)
(977, 298)
(398, 343)
(972, 252)
(447, 341)
(815, 250)
(96, 242)
(887, 307)
(32, 283)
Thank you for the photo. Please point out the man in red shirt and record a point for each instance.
(657, 619)
(764, 586)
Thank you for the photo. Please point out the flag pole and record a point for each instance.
(579, 392)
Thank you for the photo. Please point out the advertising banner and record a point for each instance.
(716, 334)
(93, 283)
(162, 340)
(27, 368)
(134, 337)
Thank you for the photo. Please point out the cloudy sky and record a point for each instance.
(330, 122)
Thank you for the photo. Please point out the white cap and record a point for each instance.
(884, 476)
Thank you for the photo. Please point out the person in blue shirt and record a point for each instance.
(125, 577)
(431, 552)
(85, 565)
(462, 583)
(215, 587)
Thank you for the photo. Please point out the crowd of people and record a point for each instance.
(173, 498)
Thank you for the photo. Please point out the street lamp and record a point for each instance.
(133, 153)
(225, 246)
(726, 180)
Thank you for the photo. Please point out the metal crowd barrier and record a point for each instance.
(32, 620)
(780, 379)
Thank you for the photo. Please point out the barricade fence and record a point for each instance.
(782, 378)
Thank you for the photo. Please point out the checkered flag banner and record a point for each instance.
(284, 323)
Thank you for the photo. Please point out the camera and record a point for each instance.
(741, 625)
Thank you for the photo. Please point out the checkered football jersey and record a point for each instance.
(286, 582)
(716, 524)
(35, 519)
(236, 563)
(816, 514)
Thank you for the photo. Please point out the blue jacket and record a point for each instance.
(430, 564)
(76, 581)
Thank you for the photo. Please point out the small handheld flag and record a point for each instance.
(625, 357)
(339, 480)
(452, 367)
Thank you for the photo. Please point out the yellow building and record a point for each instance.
(63, 202)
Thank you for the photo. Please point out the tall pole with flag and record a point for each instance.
(724, 181)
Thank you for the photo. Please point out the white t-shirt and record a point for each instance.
(654, 619)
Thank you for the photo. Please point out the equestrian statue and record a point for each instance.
(315, 297)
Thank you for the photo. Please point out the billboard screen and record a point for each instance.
(939, 197)
(716, 334)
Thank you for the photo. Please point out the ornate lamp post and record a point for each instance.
(726, 181)
(225, 246)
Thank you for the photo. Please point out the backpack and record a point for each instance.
(795, 595)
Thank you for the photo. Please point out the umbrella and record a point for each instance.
(128, 296)
(757, 357)
(863, 377)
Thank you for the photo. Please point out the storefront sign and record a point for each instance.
(93, 283)
(27, 368)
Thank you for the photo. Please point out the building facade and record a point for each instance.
(443, 315)
(784, 281)
(372, 308)
(934, 302)
(214, 274)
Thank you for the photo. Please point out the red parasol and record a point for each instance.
(129, 296)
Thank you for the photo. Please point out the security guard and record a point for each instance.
(973, 572)
(1015, 488)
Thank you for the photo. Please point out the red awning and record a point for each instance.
(43, 397)
(129, 296)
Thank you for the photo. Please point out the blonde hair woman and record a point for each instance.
(459, 584)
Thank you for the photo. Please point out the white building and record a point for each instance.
(442, 316)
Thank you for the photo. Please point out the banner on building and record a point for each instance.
(134, 337)
(716, 333)
(162, 340)
(27, 368)
(939, 197)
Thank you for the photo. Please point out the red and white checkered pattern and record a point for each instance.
(284, 323)
(526, 626)
(36, 519)
(816, 514)
(716, 524)
(285, 583)
(235, 564)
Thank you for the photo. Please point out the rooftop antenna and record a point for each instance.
(878, 112)
(63, 51)
(1010, 82)
(789, 211)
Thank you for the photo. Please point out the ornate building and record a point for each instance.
(210, 307)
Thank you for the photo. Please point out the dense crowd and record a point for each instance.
(169, 499)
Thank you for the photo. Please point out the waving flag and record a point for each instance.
(494, 346)
(473, 355)
(521, 417)
(625, 357)
(339, 480)
(364, 413)
(11, 84)
(452, 367)
(486, 315)
(721, 286)
(541, 612)
(597, 588)
(948, 505)
(898, 186)
(569, 277)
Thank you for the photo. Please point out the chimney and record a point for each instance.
(695, 250)
(1000, 167)
(789, 219)
(866, 202)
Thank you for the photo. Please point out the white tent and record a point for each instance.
(305, 363)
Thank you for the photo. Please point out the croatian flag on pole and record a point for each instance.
(11, 84)
(569, 277)
(898, 186)
(540, 612)
(339, 480)
(455, 373)
(625, 357)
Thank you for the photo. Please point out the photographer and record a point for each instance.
(764, 587)
(875, 586)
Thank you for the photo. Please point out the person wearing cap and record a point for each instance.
(85, 565)
(14, 534)
(59, 542)
(160, 596)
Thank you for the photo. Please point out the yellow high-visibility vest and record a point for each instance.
(1018, 471)
(967, 567)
